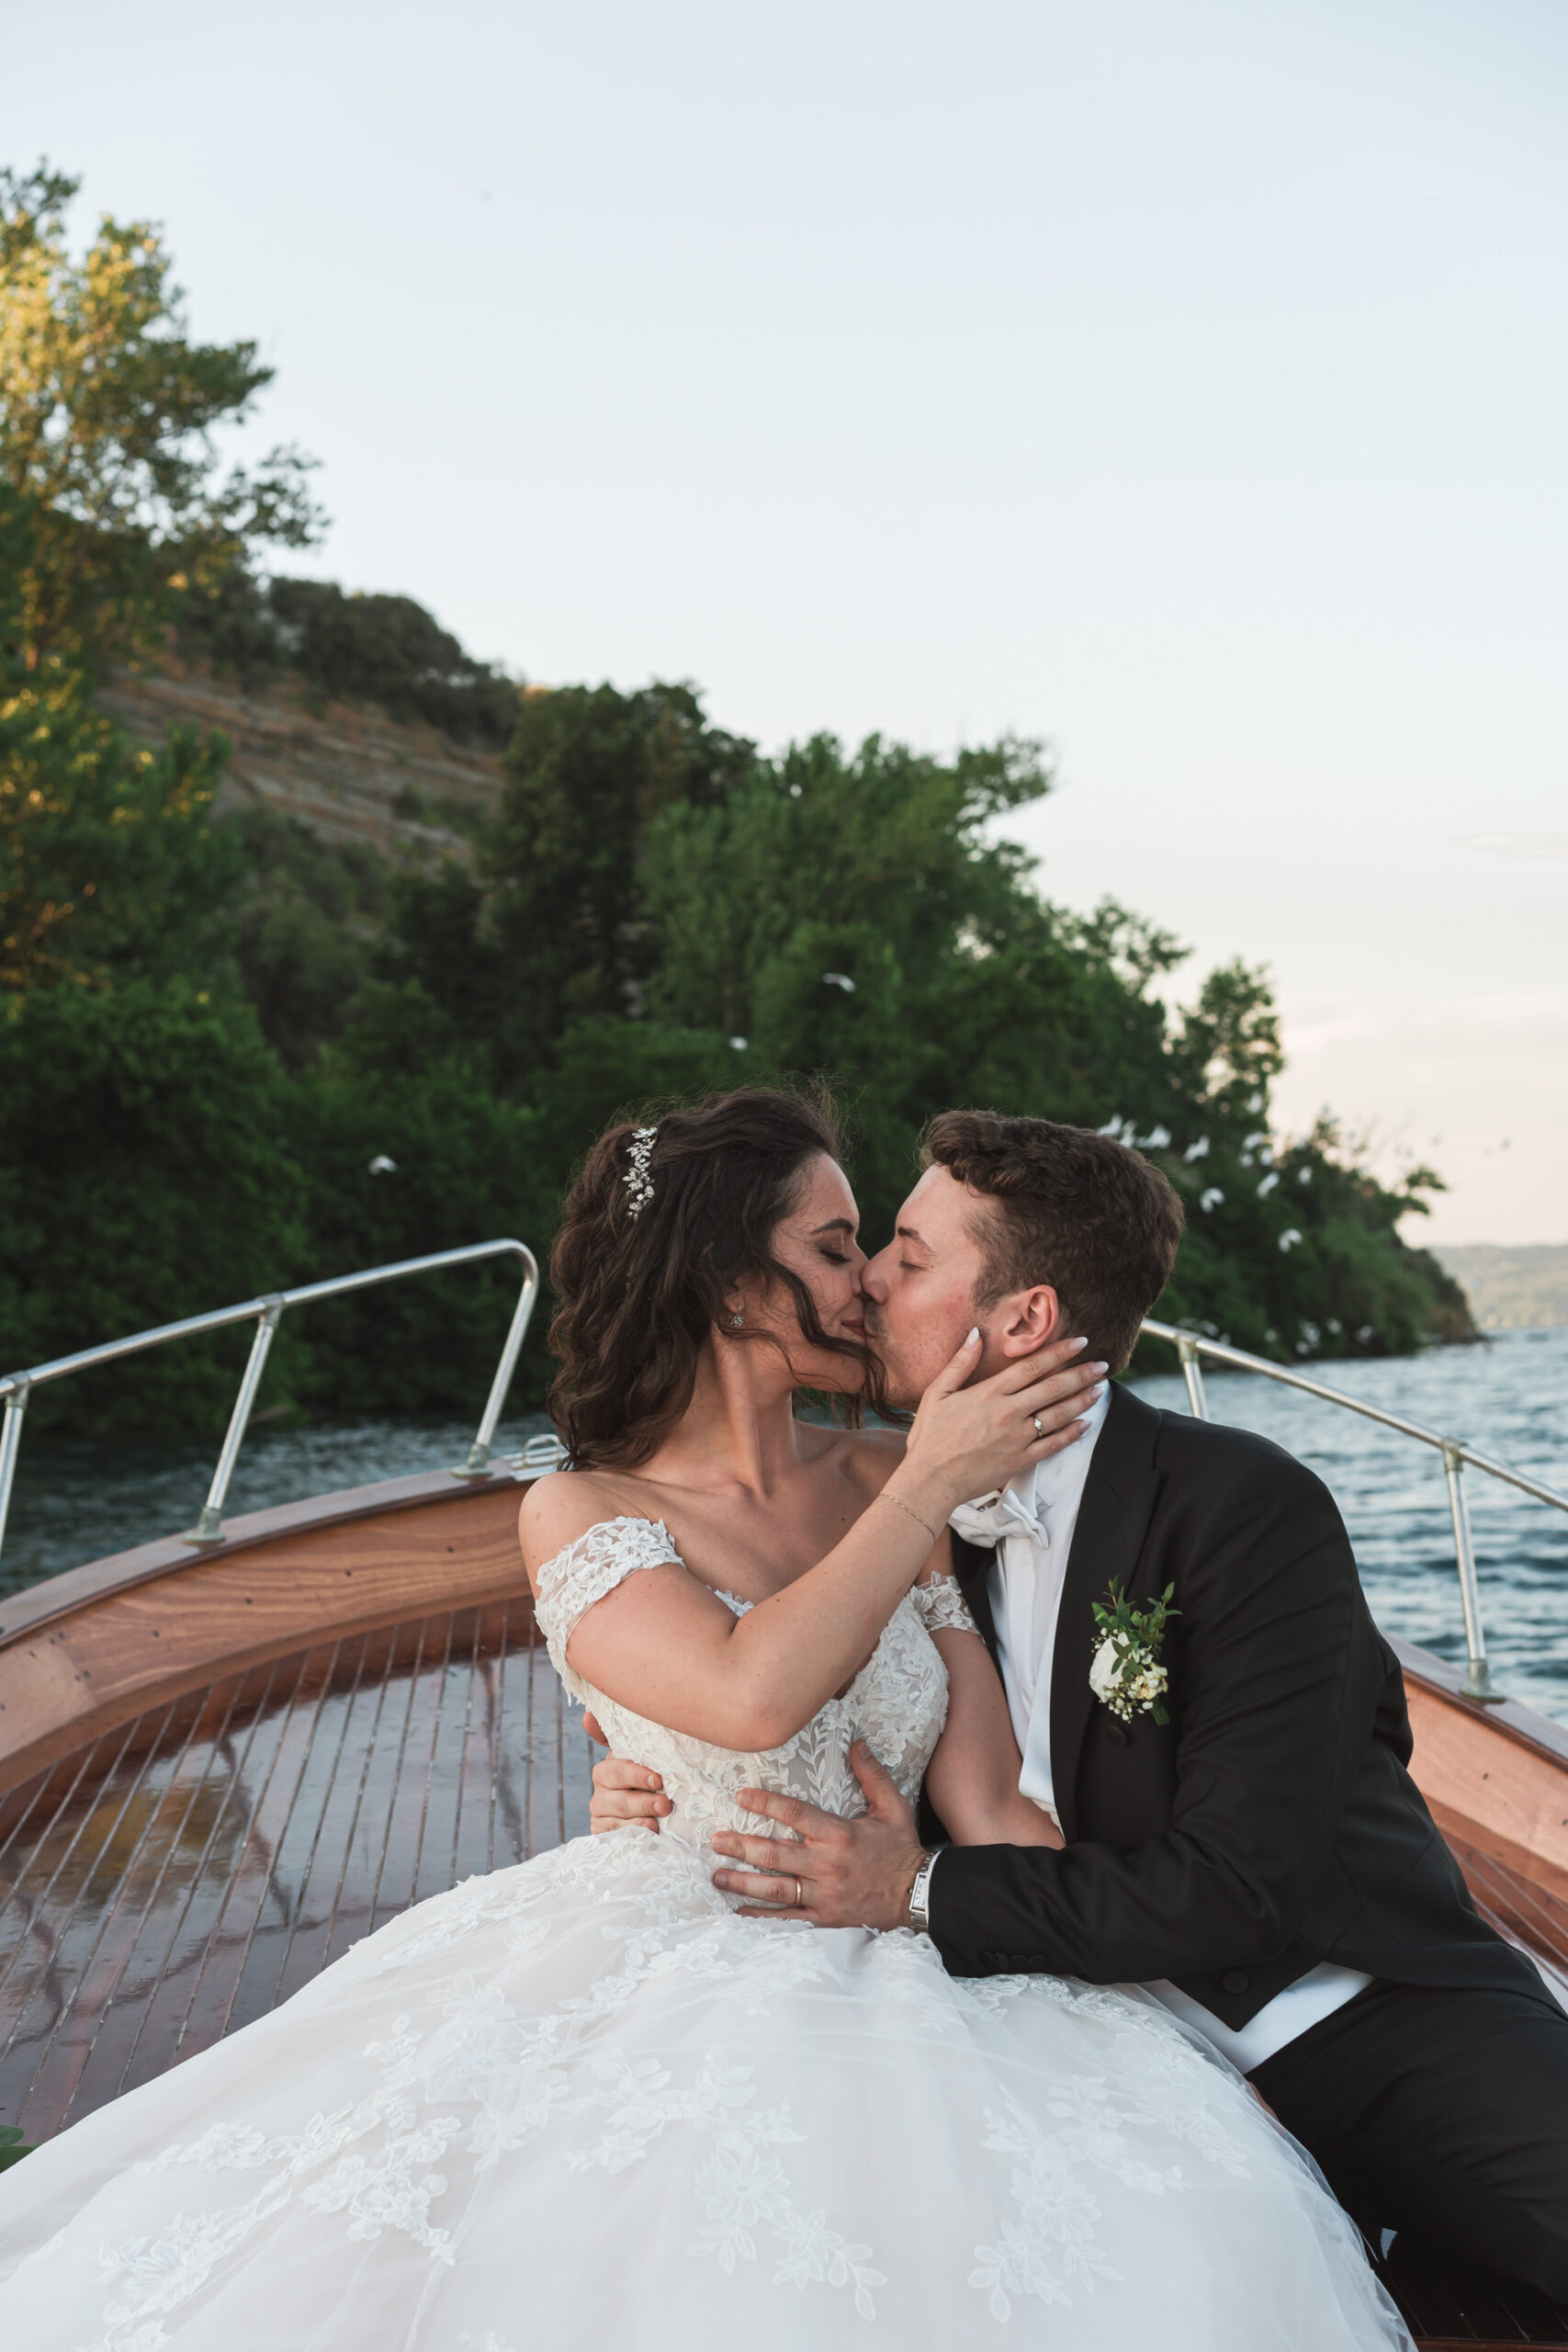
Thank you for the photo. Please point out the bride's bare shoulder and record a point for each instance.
(565, 1504)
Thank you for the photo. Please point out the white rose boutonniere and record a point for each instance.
(1125, 1674)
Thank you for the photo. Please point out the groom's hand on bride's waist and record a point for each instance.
(835, 1874)
(623, 1791)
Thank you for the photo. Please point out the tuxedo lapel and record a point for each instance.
(1119, 1494)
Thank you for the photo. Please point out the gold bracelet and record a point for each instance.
(899, 1504)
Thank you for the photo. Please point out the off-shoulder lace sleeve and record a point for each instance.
(942, 1606)
(595, 1565)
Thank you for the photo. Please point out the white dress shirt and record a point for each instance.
(1031, 1522)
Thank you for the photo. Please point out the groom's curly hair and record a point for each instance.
(1065, 1206)
(642, 1290)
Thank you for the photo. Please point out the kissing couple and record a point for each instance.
(1097, 1904)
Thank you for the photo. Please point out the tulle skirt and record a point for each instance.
(580, 2103)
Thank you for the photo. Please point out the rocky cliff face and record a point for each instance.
(350, 772)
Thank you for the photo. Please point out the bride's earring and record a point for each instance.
(736, 1321)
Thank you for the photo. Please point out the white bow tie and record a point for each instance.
(991, 1519)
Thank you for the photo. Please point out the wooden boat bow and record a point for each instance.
(220, 1767)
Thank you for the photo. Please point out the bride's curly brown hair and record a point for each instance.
(641, 1294)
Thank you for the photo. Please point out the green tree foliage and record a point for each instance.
(108, 864)
(630, 930)
(107, 412)
(143, 1172)
(302, 928)
(382, 650)
(547, 928)
(146, 1173)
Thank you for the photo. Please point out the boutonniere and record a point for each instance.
(1126, 1675)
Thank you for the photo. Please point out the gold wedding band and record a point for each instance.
(799, 1896)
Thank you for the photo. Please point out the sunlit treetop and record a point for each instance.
(109, 412)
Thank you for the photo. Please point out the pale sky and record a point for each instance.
(1181, 381)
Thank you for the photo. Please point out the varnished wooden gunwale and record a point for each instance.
(96, 1648)
(1495, 1777)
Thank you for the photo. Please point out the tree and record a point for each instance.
(855, 915)
(107, 412)
(302, 928)
(547, 928)
(145, 1174)
(360, 648)
(108, 864)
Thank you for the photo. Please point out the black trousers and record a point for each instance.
(1441, 2111)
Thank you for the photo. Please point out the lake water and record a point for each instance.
(77, 1498)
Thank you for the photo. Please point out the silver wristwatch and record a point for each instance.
(920, 1893)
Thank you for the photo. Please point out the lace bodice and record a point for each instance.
(897, 1702)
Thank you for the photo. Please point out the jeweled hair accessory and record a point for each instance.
(637, 1180)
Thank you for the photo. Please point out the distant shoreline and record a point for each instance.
(1522, 1288)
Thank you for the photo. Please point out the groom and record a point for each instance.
(1262, 1863)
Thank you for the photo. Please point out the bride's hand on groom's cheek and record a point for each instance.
(848, 1873)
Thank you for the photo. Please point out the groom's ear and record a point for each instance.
(1027, 1320)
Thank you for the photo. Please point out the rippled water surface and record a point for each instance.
(77, 1499)
(1509, 1399)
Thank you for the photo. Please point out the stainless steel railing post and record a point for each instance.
(1194, 1373)
(16, 1387)
(10, 1446)
(208, 1528)
(1477, 1684)
(478, 1464)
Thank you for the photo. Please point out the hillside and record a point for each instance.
(1511, 1289)
(353, 775)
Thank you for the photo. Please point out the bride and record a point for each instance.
(588, 2101)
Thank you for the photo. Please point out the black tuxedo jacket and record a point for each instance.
(1272, 1824)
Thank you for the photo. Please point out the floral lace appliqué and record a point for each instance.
(941, 1606)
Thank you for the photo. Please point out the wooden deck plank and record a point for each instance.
(261, 1909)
(473, 1841)
(25, 1809)
(379, 1678)
(59, 1945)
(345, 1731)
(87, 2064)
(443, 1782)
(134, 1963)
(64, 1817)
(355, 1908)
(194, 1908)
(109, 1936)
(237, 1899)
(399, 1872)
(295, 1844)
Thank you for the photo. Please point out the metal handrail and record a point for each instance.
(267, 1312)
(1477, 1683)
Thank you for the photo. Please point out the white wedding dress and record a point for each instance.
(582, 2106)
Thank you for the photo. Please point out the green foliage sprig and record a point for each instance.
(1130, 1680)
